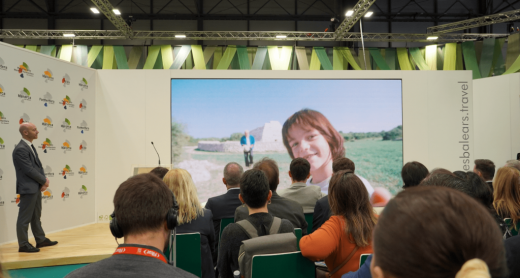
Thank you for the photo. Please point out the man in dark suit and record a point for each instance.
(30, 182)
(279, 206)
(224, 206)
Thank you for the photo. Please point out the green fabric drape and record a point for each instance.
(404, 61)
(153, 53)
(93, 54)
(261, 53)
(120, 54)
(486, 60)
(47, 49)
(450, 56)
(227, 57)
(198, 57)
(378, 59)
(243, 59)
(513, 49)
(135, 56)
(324, 58)
(470, 58)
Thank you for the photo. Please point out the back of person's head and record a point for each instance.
(300, 169)
(481, 189)
(254, 188)
(179, 181)
(507, 193)
(270, 168)
(486, 168)
(232, 173)
(426, 232)
(141, 204)
(343, 163)
(513, 164)
(450, 181)
(348, 198)
(413, 173)
(159, 172)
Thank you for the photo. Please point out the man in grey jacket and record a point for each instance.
(300, 192)
(30, 182)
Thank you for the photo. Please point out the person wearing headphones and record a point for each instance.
(145, 213)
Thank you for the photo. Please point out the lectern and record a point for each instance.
(143, 169)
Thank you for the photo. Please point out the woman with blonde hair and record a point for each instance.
(192, 218)
(506, 194)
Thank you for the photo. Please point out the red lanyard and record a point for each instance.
(140, 251)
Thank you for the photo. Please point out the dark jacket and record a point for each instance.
(29, 171)
(513, 256)
(204, 226)
(282, 208)
(321, 213)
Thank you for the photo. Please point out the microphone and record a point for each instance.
(157, 153)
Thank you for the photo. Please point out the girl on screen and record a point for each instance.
(310, 135)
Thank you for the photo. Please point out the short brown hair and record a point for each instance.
(270, 169)
(348, 198)
(300, 169)
(343, 163)
(425, 232)
(307, 118)
(413, 173)
(486, 167)
(141, 204)
(506, 193)
(159, 172)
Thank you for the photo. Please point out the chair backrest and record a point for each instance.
(223, 223)
(309, 219)
(510, 227)
(298, 234)
(363, 258)
(188, 253)
(284, 265)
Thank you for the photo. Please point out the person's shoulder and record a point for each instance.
(291, 203)
(286, 226)
(207, 213)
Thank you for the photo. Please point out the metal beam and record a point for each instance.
(106, 8)
(238, 35)
(359, 9)
(475, 22)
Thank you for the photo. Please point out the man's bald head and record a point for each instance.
(28, 131)
(232, 174)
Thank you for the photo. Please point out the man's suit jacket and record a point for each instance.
(29, 170)
(303, 194)
(490, 183)
(322, 213)
(282, 208)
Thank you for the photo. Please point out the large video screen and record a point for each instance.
(323, 119)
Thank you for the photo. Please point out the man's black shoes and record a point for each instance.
(28, 248)
(45, 243)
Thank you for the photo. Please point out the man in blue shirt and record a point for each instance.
(248, 142)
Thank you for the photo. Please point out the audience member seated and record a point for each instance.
(426, 232)
(362, 272)
(255, 193)
(507, 194)
(348, 231)
(279, 206)
(513, 164)
(141, 207)
(224, 206)
(513, 256)
(413, 173)
(300, 192)
(485, 168)
(159, 171)
(192, 218)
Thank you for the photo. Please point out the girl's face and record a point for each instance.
(311, 145)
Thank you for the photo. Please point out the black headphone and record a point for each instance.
(171, 220)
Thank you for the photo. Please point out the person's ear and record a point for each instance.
(241, 199)
(290, 174)
(224, 181)
(270, 195)
(376, 271)
(308, 175)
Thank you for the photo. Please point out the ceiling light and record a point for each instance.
(180, 36)
(349, 13)
(432, 38)
(369, 14)
(116, 11)
(94, 10)
(281, 36)
(69, 35)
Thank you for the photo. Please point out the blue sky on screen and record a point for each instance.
(220, 107)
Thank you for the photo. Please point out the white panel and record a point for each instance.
(514, 93)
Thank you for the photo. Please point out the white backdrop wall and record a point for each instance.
(133, 108)
(497, 118)
(59, 98)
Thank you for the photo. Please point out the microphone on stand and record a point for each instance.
(157, 153)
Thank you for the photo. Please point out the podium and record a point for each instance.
(143, 169)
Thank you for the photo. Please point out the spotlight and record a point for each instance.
(281, 36)
(94, 10)
(349, 13)
(116, 11)
(180, 36)
(69, 35)
(432, 38)
(369, 14)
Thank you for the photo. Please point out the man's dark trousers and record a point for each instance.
(30, 212)
(250, 160)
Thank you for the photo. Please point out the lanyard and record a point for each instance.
(140, 251)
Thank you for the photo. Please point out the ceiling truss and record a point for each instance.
(475, 22)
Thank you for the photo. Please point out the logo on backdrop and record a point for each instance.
(2, 91)
(83, 127)
(66, 124)
(16, 199)
(47, 123)
(2, 64)
(83, 191)
(48, 172)
(24, 94)
(66, 102)
(66, 146)
(65, 193)
(47, 145)
(65, 80)
(24, 119)
(83, 171)
(83, 105)
(2, 146)
(1, 202)
(67, 172)
(3, 119)
(47, 195)
(24, 70)
(47, 99)
(48, 76)
(83, 83)
(83, 146)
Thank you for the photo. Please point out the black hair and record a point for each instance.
(413, 173)
(300, 169)
(254, 188)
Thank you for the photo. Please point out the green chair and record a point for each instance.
(223, 223)
(284, 265)
(188, 253)
(298, 234)
(509, 225)
(309, 219)
(363, 258)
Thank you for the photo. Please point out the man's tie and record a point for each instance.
(36, 154)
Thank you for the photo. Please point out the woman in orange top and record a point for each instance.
(350, 226)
